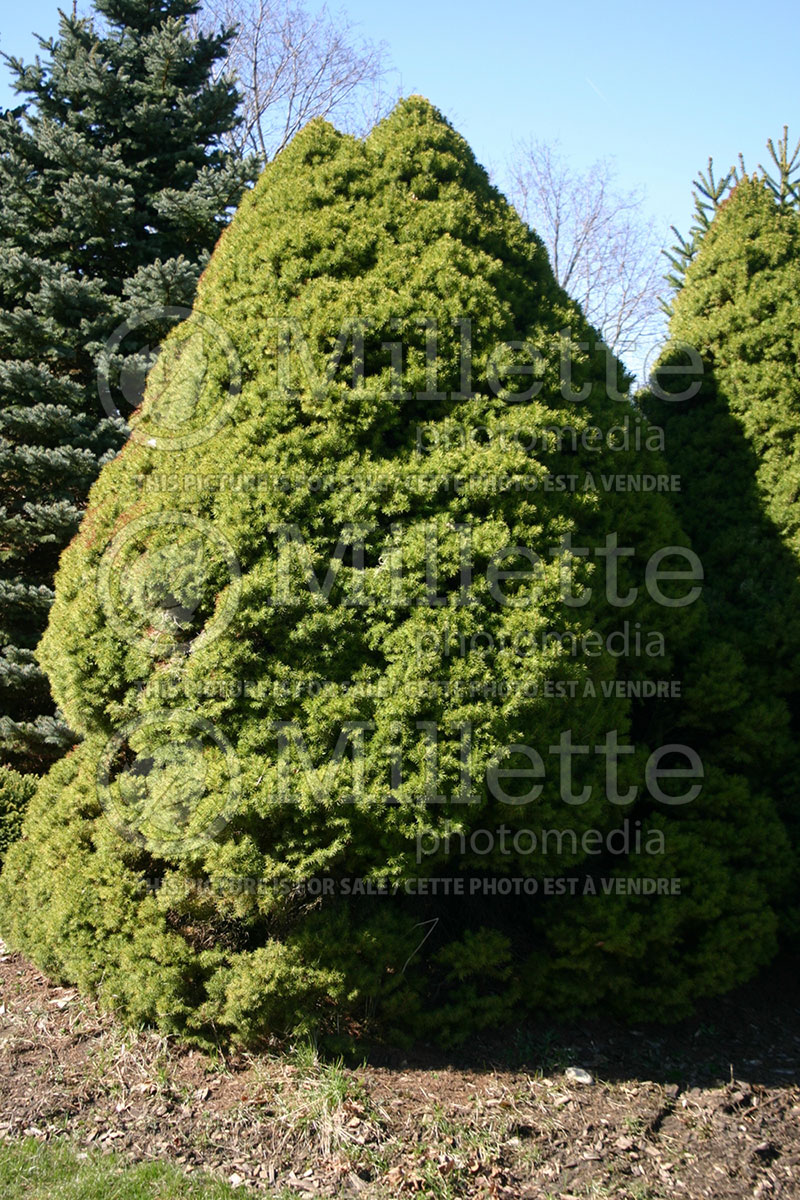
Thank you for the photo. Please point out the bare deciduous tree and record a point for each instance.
(605, 252)
(292, 64)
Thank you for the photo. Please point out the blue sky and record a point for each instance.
(658, 87)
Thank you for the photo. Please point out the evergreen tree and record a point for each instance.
(309, 648)
(710, 192)
(734, 438)
(115, 187)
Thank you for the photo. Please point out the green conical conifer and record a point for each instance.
(734, 435)
(375, 503)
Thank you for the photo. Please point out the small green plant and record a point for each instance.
(325, 1104)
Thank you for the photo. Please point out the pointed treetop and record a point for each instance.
(142, 15)
(786, 186)
(711, 192)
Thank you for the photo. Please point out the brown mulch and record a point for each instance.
(710, 1108)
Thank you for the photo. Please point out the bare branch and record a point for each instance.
(604, 251)
(292, 64)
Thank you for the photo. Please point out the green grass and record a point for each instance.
(31, 1170)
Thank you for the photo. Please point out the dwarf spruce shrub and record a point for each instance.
(730, 408)
(369, 633)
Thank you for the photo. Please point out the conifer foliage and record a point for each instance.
(114, 190)
(735, 437)
(711, 190)
(309, 627)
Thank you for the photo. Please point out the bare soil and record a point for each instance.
(709, 1108)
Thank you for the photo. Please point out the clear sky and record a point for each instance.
(657, 86)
